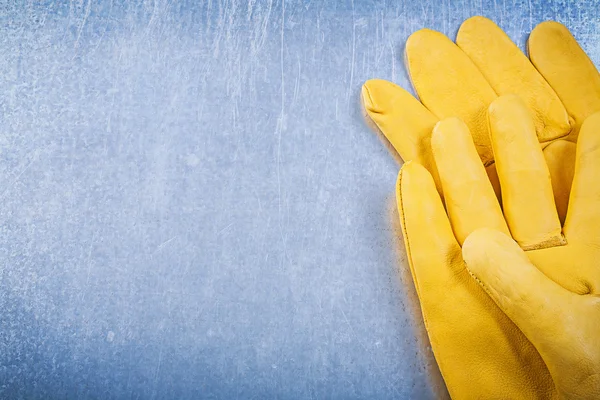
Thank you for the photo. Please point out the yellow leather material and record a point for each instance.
(558, 57)
(560, 158)
(469, 197)
(450, 85)
(562, 325)
(527, 196)
(463, 80)
(564, 65)
(550, 295)
(389, 106)
(508, 71)
(407, 125)
(479, 350)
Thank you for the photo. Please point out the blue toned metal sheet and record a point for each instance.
(192, 205)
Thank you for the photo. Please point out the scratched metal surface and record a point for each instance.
(193, 207)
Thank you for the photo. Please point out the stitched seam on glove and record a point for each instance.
(407, 244)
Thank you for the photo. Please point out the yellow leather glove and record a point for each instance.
(463, 79)
(552, 292)
(554, 350)
(476, 336)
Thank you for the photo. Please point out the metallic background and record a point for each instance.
(192, 205)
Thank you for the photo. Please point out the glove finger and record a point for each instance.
(527, 195)
(508, 71)
(583, 216)
(468, 333)
(470, 199)
(430, 243)
(563, 63)
(450, 85)
(403, 120)
(560, 158)
(493, 175)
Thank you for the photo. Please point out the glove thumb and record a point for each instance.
(556, 321)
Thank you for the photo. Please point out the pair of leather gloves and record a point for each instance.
(499, 203)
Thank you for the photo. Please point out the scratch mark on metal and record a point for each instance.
(162, 245)
(89, 264)
(281, 121)
(87, 14)
(35, 158)
(224, 229)
(157, 371)
(367, 351)
(351, 85)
